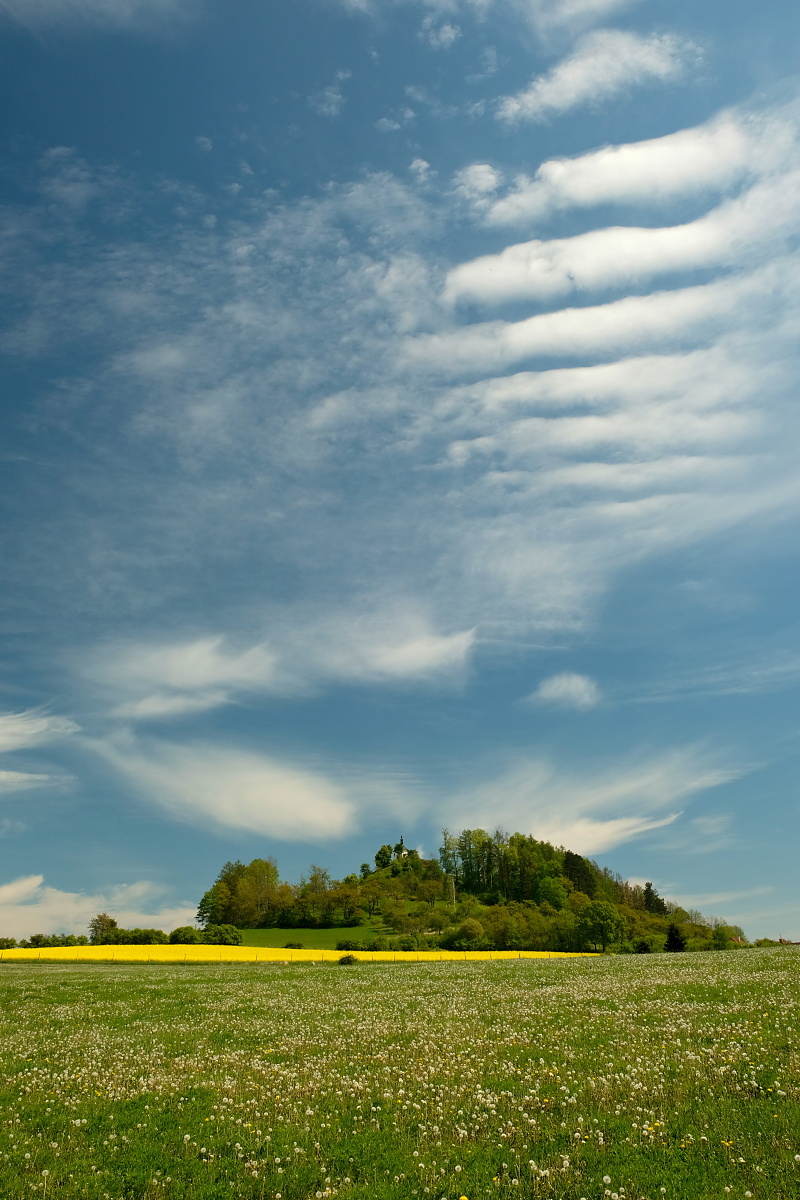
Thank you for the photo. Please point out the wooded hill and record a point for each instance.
(484, 891)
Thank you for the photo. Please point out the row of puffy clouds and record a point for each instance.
(661, 432)
(681, 418)
(658, 443)
(755, 152)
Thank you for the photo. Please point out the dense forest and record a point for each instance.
(484, 891)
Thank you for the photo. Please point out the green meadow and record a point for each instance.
(617, 1077)
(314, 939)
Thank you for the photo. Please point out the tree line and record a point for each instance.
(483, 891)
(493, 891)
(104, 931)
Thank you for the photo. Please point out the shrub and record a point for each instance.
(185, 935)
(347, 960)
(221, 935)
(45, 940)
(467, 936)
(141, 937)
(296, 946)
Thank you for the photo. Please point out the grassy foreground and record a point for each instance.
(648, 1076)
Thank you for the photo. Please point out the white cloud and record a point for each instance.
(713, 156)
(439, 37)
(395, 646)
(604, 64)
(173, 679)
(694, 314)
(171, 704)
(712, 826)
(18, 781)
(329, 102)
(626, 256)
(9, 827)
(549, 16)
(28, 906)
(509, 503)
(32, 728)
(567, 690)
(234, 789)
(124, 14)
(477, 184)
(593, 812)
(706, 900)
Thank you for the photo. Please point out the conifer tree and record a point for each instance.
(676, 942)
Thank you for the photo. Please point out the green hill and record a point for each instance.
(484, 891)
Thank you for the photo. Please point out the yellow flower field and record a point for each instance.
(260, 954)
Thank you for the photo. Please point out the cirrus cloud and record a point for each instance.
(567, 690)
(120, 14)
(234, 789)
(593, 810)
(32, 728)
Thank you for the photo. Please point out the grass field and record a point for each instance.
(315, 939)
(645, 1076)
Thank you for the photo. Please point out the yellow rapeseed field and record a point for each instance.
(265, 954)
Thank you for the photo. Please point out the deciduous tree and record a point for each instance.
(600, 923)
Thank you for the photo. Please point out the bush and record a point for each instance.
(349, 945)
(467, 936)
(45, 940)
(186, 935)
(347, 960)
(141, 937)
(222, 935)
(296, 946)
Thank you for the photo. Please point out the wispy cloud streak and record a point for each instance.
(603, 65)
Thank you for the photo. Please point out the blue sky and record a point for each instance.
(399, 430)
